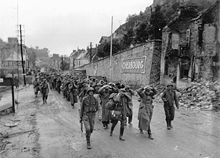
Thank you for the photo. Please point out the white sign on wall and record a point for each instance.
(134, 65)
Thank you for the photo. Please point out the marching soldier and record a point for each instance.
(169, 98)
(104, 96)
(36, 86)
(146, 109)
(73, 93)
(58, 85)
(89, 107)
(117, 105)
(130, 93)
(97, 96)
(44, 90)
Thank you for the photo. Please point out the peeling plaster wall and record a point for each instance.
(150, 50)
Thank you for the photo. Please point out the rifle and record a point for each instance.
(81, 123)
(81, 126)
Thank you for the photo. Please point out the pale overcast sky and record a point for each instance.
(64, 25)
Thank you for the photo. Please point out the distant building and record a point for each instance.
(104, 39)
(73, 57)
(120, 32)
(55, 62)
(81, 59)
(12, 41)
(10, 53)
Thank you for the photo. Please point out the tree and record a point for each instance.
(157, 22)
(127, 39)
(32, 57)
(104, 49)
(141, 32)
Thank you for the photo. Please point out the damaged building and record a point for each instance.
(190, 48)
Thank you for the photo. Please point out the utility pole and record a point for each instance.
(13, 93)
(22, 59)
(111, 49)
(62, 64)
(218, 36)
(90, 53)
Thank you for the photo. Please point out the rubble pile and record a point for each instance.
(204, 95)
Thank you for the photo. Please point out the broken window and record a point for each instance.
(209, 33)
(184, 62)
(184, 68)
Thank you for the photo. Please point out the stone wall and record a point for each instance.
(150, 73)
(204, 54)
(155, 67)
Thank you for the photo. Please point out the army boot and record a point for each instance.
(150, 135)
(121, 134)
(171, 125)
(168, 125)
(111, 132)
(88, 141)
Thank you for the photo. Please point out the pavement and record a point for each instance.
(53, 131)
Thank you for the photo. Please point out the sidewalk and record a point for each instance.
(6, 97)
(18, 132)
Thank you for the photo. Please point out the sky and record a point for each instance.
(64, 25)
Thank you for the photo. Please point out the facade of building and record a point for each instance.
(81, 59)
(10, 56)
(55, 62)
(189, 49)
(73, 56)
(104, 39)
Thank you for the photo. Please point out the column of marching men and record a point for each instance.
(111, 102)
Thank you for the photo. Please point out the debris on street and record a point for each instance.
(202, 95)
(11, 124)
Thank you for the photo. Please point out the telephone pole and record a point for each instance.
(22, 59)
(111, 49)
(90, 52)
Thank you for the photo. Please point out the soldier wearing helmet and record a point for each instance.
(89, 107)
(169, 98)
(44, 90)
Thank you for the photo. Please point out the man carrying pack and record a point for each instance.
(89, 107)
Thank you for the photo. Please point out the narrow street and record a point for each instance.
(56, 133)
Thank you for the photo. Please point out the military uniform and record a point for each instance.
(118, 112)
(104, 96)
(145, 111)
(72, 93)
(169, 97)
(89, 107)
(36, 87)
(44, 91)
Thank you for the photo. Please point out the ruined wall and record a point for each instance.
(142, 54)
(155, 67)
(204, 54)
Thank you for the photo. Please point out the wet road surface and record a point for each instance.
(195, 133)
